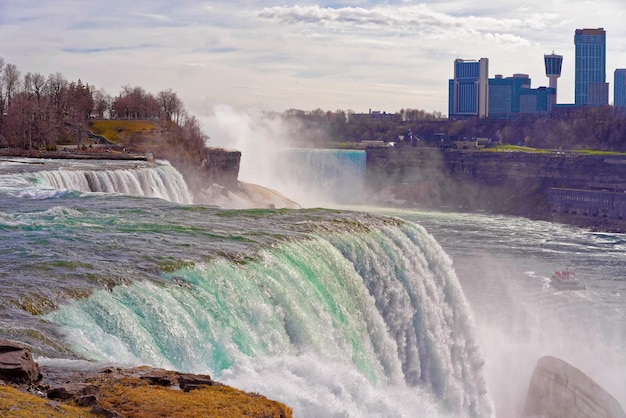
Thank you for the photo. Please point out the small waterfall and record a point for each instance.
(371, 322)
(162, 181)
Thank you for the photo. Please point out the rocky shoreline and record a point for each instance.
(26, 389)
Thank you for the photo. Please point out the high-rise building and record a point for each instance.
(504, 95)
(468, 91)
(512, 97)
(619, 88)
(590, 76)
(553, 65)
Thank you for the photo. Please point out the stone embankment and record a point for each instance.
(565, 187)
(28, 390)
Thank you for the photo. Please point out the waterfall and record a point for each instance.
(162, 181)
(311, 177)
(370, 322)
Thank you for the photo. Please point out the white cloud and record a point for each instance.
(306, 55)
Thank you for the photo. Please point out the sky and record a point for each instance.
(278, 55)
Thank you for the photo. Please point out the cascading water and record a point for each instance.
(150, 182)
(367, 322)
(333, 313)
(158, 181)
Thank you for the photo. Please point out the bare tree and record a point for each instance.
(81, 105)
(102, 103)
(171, 106)
(11, 81)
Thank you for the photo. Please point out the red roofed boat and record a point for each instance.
(566, 279)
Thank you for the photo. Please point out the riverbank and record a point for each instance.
(86, 391)
(584, 190)
(89, 153)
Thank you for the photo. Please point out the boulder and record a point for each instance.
(17, 364)
(73, 391)
(558, 389)
(188, 382)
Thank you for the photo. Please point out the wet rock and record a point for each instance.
(17, 364)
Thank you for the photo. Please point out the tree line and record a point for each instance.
(40, 112)
(599, 128)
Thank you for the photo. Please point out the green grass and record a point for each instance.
(515, 148)
(596, 152)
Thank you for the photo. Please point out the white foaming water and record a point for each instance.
(160, 181)
(362, 325)
(504, 265)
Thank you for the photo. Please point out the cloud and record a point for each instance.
(410, 20)
(303, 54)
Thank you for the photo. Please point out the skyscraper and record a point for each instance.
(468, 90)
(590, 76)
(553, 65)
(619, 88)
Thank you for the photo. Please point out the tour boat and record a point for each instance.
(566, 280)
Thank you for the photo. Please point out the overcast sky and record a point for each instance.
(277, 55)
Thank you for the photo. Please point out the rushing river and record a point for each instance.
(335, 312)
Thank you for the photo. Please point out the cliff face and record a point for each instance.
(218, 166)
(222, 166)
(514, 183)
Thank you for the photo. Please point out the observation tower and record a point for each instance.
(553, 64)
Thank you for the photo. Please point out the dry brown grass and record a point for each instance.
(135, 398)
(17, 404)
(120, 130)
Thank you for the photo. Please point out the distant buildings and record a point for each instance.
(619, 88)
(512, 97)
(468, 89)
(553, 63)
(590, 76)
(471, 93)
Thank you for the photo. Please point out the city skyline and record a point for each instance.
(305, 55)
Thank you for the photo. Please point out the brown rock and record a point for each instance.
(73, 390)
(106, 413)
(188, 382)
(17, 364)
(87, 400)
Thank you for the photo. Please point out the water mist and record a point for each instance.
(272, 156)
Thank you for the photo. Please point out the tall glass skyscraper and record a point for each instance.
(467, 92)
(619, 88)
(591, 87)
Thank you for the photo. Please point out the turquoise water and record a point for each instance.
(335, 313)
(351, 312)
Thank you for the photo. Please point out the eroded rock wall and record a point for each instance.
(514, 183)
